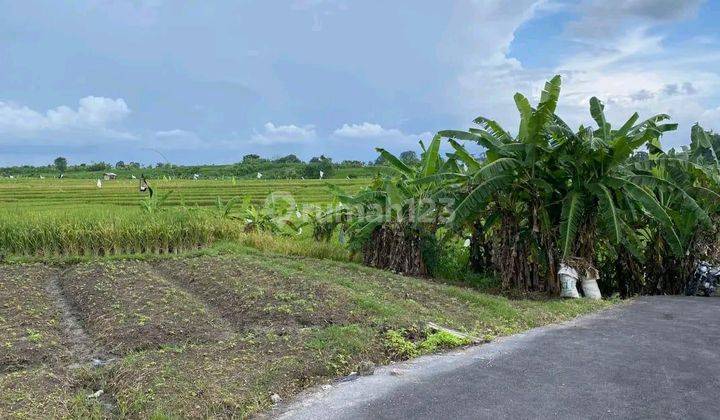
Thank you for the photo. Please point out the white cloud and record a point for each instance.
(710, 119)
(638, 72)
(95, 114)
(174, 133)
(602, 18)
(284, 134)
(177, 139)
(390, 138)
(630, 67)
(366, 130)
(481, 34)
(319, 10)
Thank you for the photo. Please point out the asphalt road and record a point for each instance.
(657, 357)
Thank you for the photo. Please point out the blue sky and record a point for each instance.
(209, 81)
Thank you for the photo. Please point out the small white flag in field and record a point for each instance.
(322, 174)
(259, 175)
(99, 183)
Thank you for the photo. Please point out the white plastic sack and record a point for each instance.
(568, 281)
(590, 285)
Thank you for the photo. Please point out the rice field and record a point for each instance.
(63, 217)
(30, 194)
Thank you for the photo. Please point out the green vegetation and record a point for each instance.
(216, 334)
(217, 330)
(549, 196)
(47, 194)
(52, 218)
(107, 232)
(287, 167)
(591, 198)
(400, 344)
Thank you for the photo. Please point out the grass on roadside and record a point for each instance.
(273, 323)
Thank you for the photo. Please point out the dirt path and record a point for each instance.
(654, 358)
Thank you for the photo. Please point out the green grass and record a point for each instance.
(214, 333)
(110, 232)
(62, 235)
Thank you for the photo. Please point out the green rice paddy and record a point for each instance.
(31, 194)
(68, 217)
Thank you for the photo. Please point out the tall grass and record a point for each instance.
(89, 231)
(52, 217)
(102, 231)
(301, 246)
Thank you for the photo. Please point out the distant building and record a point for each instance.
(109, 175)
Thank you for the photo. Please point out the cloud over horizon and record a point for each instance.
(212, 82)
(284, 134)
(94, 113)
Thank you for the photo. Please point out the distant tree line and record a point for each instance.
(284, 167)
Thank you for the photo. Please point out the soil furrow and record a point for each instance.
(225, 326)
(82, 348)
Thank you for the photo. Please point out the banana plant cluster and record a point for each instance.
(550, 194)
(572, 194)
(390, 221)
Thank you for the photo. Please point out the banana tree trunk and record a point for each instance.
(480, 250)
(396, 247)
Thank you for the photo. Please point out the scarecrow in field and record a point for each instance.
(144, 186)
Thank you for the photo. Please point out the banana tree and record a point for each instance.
(551, 194)
(390, 220)
(600, 185)
(511, 192)
(688, 185)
